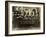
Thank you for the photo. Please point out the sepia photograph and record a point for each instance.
(24, 18)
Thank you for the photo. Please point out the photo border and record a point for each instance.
(6, 18)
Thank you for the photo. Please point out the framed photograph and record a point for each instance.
(24, 18)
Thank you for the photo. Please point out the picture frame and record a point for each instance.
(24, 18)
